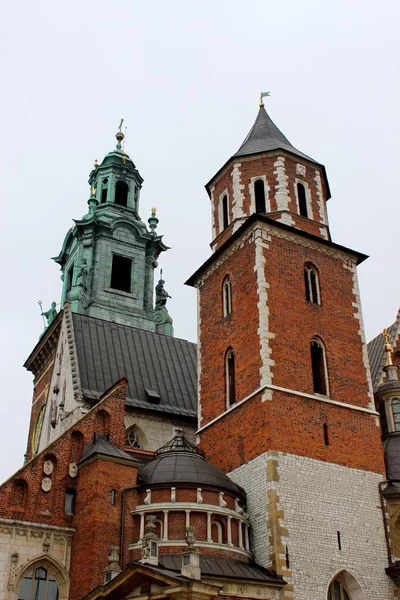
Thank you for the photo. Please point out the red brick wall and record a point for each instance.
(287, 423)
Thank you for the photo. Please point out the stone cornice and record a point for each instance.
(45, 348)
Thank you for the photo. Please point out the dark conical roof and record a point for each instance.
(265, 136)
(180, 462)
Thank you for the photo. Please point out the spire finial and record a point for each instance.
(263, 95)
(388, 346)
(119, 135)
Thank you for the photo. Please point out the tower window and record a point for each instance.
(69, 506)
(382, 414)
(121, 193)
(225, 214)
(230, 377)
(311, 284)
(318, 364)
(259, 194)
(302, 198)
(121, 273)
(104, 190)
(226, 296)
(396, 413)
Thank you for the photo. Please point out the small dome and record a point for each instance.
(180, 462)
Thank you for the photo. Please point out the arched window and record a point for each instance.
(69, 506)
(312, 284)
(102, 422)
(38, 584)
(259, 194)
(396, 413)
(132, 439)
(382, 414)
(121, 193)
(104, 190)
(302, 198)
(230, 377)
(337, 591)
(318, 365)
(217, 532)
(19, 494)
(226, 296)
(225, 212)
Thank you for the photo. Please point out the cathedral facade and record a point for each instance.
(263, 463)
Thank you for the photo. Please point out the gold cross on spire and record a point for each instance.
(263, 95)
(388, 346)
(120, 126)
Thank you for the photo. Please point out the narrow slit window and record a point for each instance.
(121, 193)
(339, 540)
(230, 378)
(382, 414)
(121, 273)
(311, 282)
(326, 435)
(302, 198)
(396, 413)
(225, 213)
(104, 190)
(113, 496)
(318, 365)
(69, 502)
(227, 296)
(259, 194)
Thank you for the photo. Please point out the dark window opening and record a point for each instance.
(311, 284)
(225, 215)
(227, 297)
(70, 277)
(339, 540)
(382, 414)
(113, 496)
(104, 190)
(337, 591)
(301, 195)
(318, 368)
(259, 193)
(396, 413)
(287, 557)
(69, 506)
(121, 273)
(230, 378)
(326, 435)
(121, 193)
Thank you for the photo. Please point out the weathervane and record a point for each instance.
(263, 95)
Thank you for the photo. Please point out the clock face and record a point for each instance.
(37, 430)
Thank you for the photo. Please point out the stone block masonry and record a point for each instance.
(316, 500)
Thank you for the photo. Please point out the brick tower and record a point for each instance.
(286, 404)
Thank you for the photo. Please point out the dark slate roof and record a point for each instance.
(265, 136)
(179, 462)
(100, 445)
(376, 353)
(107, 351)
(224, 567)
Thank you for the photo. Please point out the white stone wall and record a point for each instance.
(319, 499)
(157, 430)
(23, 544)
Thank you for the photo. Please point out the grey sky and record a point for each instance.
(186, 77)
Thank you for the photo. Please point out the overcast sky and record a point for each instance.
(186, 78)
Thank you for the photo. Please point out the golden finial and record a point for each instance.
(124, 158)
(119, 135)
(388, 346)
(96, 164)
(263, 95)
(94, 191)
(153, 212)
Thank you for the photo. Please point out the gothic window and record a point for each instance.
(121, 193)
(302, 198)
(312, 284)
(38, 584)
(382, 414)
(337, 591)
(318, 365)
(19, 493)
(69, 507)
(230, 377)
(226, 296)
(259, 194)
(132, 439)
(396, 413)
(225, 213)
(121, 273)
(104, 190)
